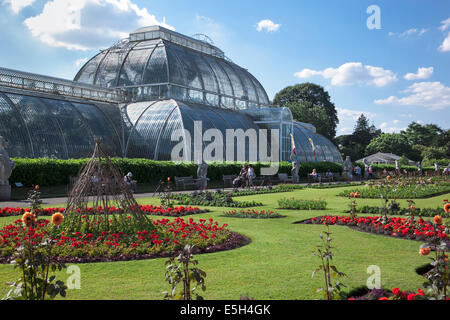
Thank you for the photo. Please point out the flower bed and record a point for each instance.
(148, 209)
(252, 214)
(212, 199)
(394, 294)
(400, 189)
(419, 229)
(424, 212)
(298, 204)
(263, 190)
(119, 241)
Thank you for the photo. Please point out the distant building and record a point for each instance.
(383, 158)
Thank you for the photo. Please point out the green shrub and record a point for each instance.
(50, 172)
(299, 204)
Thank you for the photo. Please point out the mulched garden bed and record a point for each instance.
(401, 224)
(235, 241)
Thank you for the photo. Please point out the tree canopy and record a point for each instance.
(312, 96)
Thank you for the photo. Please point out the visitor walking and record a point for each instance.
(250, 176)
(130, 182)
(370, 171)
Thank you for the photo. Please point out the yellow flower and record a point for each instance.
(57, 219)
(28, 219)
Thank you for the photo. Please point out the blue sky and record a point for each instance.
(395, 75)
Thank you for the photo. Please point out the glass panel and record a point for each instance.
(78, 137)
(222, 77)
(182, 67)
(144, 137)
(14, 131)
(100, 127)
(156, 71)
(133, 67)
(235, 80)
(87, 73)
(110, 67)
(45, 134)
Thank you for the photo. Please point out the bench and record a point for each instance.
(182, 182)
(283, 177)
(325, 178)
(228, 180)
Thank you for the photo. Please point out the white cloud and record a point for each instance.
(81, 61)
(431, 95)
(17, 5)
(422, 73)
(445, 24)
(409, 32)
(88, 24)
(445, 46)
(385, 127)
(267, 25)
(352, 73)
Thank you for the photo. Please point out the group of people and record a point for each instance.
(245, 178)
(315, 176)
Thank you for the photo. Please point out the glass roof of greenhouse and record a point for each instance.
(156, 63)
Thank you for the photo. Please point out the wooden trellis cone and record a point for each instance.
(101, 185)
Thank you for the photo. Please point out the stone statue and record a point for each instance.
(6, 168)
(419, 168)
(437, 168)
(294, 172)
(202, 172)
(347, 168)
(397, 166)
(366, 168)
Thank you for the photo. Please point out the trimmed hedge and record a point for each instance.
(391, 167)
(51, 172)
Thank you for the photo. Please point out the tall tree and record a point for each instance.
(395, 143)
(354, 145)
(315, 115)
(425, 135)
(313, 94)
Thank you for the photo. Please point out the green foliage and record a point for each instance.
(218, 199)
(34, 197)
(313, 94)
(304, 111)
(299, 204)
(35, 264)
(179, 270)
(51, 172)
(395, 143)
(324, 252)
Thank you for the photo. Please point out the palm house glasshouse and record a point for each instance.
(135, 94)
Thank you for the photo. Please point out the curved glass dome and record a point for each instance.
(41, 127)
(325, 149)
(162, 64)
(150, 127)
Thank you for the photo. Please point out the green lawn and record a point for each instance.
(277, 264)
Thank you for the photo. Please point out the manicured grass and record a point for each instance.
(277, 264)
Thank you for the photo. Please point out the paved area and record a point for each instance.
(63, 200)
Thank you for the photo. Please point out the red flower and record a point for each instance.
(411, 296)
(396, 291)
